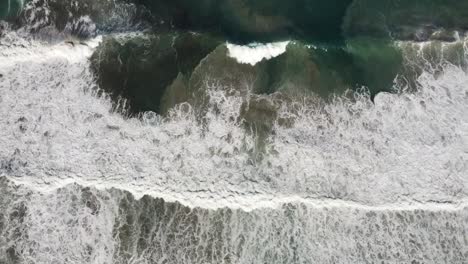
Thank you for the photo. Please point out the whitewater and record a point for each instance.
(351, 181)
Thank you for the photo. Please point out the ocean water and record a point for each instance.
(233, 132)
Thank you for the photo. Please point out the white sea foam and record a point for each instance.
(255, 53)
(347, 183)
(408, 148)
(76, 225)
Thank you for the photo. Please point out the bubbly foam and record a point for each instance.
(348, 182)
(255, 53)
(85, 225)
(407, 148)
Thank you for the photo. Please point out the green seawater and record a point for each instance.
(10, 8)
(156, 72)
(332, 21)
(335, 46)
(245, 21)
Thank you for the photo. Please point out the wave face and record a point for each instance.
(151, 132)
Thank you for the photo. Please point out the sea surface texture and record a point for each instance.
(233, 131)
